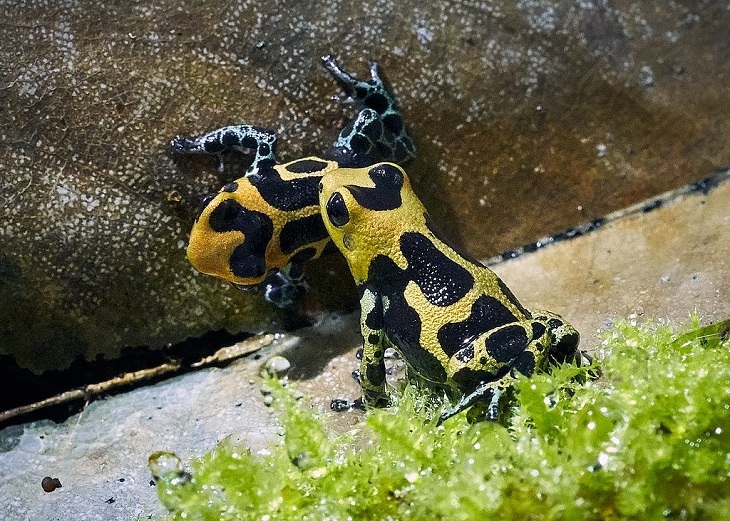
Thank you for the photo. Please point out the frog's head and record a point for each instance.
(229, 239)
(366, 210)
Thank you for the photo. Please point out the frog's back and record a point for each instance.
(261, 221)
(436, 296)
(455, 322)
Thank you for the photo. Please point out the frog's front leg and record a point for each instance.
(372, 363)
(282, 287)
(378, 133)
(239, 138)
(285, 286)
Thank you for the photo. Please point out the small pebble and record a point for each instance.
(50, 484)
(277, 366)
(268, 400)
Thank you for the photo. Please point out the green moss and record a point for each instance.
(650, 439)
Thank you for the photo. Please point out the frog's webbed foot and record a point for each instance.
(378, 132)
(485, 400)
(233, 138)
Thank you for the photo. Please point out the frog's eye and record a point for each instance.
(387, 175)
(337, 210)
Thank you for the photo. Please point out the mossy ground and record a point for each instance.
(649, 439)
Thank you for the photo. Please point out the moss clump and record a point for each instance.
(650, 439)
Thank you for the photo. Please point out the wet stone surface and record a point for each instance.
(529, 117)
(663, 263)
(100, 455)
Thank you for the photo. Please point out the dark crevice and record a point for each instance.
(23, 387)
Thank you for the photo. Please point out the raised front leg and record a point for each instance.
(486, 369)
(238, 138)
(378, 132)
(518, 348)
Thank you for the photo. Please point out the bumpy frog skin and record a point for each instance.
(456, 324)
(259, 230)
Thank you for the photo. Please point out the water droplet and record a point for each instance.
(167, 467)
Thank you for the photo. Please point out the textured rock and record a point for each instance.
(529, 117)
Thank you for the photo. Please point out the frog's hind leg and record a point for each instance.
(364, 141)
(378, 133)
(238, 138)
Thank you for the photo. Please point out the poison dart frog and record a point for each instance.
(455, 323)
(259, 230)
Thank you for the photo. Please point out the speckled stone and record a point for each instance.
(529, 117)
(658, 264)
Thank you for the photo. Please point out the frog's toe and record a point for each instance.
(446, 415)
(583, 359)
(337, 72)
(452, 411)
(485, 403)
(343, 404)
(181, 144)
(285, 296)
(357, 376)
(375, 74)
(358, 90)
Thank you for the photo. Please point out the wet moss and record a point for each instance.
(649, 439)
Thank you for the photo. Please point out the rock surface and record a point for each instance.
(659, 264)
(529, 117)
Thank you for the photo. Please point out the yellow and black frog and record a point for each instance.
(455, 323)
(259, 230)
